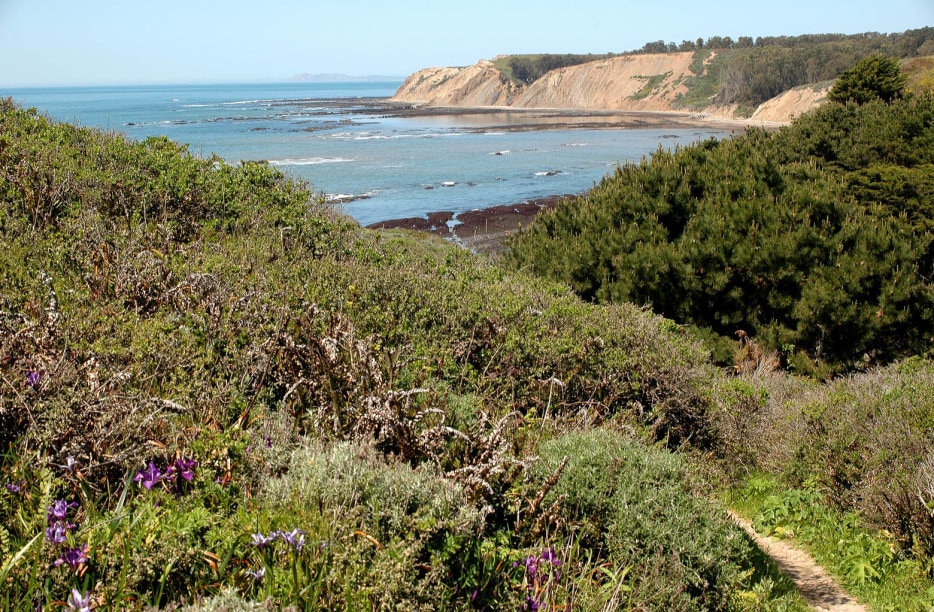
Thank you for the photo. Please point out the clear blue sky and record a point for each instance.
(93, 42)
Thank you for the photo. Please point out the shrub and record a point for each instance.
(798, 262)
(863, 440)
(872, 78)
(396, 534)
(612, 493)
(869, 445)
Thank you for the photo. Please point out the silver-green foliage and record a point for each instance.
(637, 506)
(394, 530)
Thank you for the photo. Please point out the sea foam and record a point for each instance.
(309, 161)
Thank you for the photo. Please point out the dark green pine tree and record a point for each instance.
(872, 78)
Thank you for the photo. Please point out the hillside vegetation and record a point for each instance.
(218, 394)
(216, 390)
(525, 69)
(815, 239)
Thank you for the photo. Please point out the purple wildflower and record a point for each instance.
(149, 477)
(73, 557)
(294, 538)
(261, 541)
(549, 555)
(530, 564)
(58, 511)
(185, 468)
(57, 533)
(70, 463)
(541, 578)
(14, 487)
(77, 602)
(34, 379)
(258, 575)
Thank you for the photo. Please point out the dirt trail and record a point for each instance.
(820, 590)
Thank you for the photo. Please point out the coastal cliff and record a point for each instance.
(641, 82)
(479, 85)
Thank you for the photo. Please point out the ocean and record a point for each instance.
(380, 166)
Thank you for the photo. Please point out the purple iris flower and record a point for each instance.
(77, 602)
(294, 538)
(258, 575)
(73, 557)
(149, 477)
(13, 487)
(549, 554)
(70, 463)
(58, 511)
(261, 541)
(57, 533)
(530, 564)
(185, 468)
(540, 577)
(34, 379)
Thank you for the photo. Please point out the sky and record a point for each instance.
(128, 42)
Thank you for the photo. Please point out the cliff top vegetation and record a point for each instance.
(746, 72)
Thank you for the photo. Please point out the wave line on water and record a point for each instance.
(310, 161)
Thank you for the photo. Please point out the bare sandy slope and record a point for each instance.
(478, 85)
(643, 82)
(631, 82)
(790, 104)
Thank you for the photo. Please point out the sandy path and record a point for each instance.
(820, 590)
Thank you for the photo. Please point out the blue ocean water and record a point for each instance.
(329, 135)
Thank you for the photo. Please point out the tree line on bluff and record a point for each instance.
(751, 71)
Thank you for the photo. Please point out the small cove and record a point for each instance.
(376, 162)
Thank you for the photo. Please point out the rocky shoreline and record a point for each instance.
(482, 230)
(526, 119)
(486, 230)
(504, 118)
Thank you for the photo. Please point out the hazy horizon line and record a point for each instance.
(309, 78)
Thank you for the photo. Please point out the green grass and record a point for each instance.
(501, 63)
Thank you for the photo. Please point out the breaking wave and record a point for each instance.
(309, 161)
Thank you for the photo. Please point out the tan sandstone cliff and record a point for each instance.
(624, 83)
(479, 85)
(790, 104)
